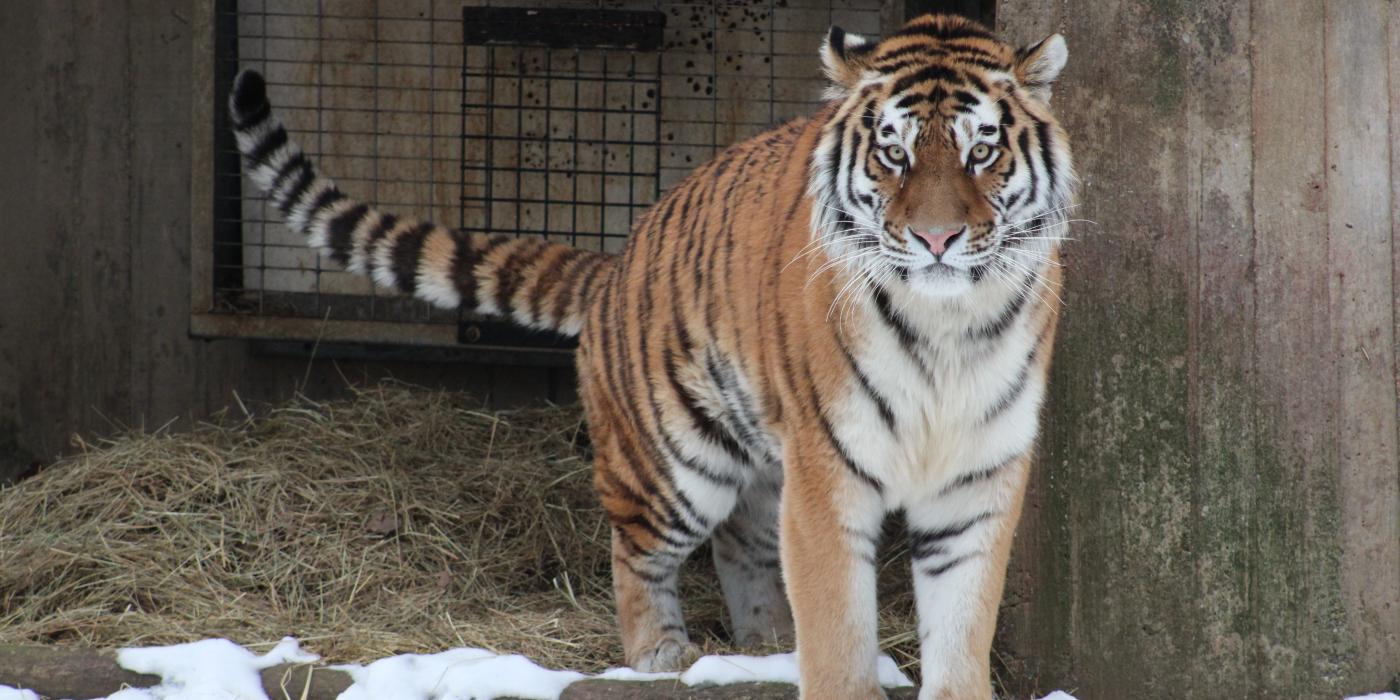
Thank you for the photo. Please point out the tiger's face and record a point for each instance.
(942, 166)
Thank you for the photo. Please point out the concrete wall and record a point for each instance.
(1217, 506)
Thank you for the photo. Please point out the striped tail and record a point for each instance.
(540, 285)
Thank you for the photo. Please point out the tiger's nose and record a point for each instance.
(938, 240)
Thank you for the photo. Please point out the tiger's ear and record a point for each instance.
(1039, 64)
(845, 58)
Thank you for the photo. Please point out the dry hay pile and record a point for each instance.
(401, 520)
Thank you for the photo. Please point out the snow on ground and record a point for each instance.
(459, 673)
(722, 670)
(205, 670)
(217, 669)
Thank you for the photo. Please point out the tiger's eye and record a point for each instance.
(981, 152)
(895, 153)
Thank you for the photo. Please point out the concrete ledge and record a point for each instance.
(62, 672)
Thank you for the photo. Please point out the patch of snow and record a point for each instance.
(211, 669)
(779, 668)
(217, 669)
(626, 674)
(8, 693)
(459, 673)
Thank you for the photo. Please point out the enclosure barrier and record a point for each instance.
(86, 673)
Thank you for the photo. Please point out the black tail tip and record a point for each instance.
(249, 99)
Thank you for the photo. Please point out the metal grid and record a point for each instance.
(405, 109)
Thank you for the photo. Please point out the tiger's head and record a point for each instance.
(941, 165)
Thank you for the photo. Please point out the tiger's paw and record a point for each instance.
(668, 655)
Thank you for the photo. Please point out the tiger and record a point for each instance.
(844, 317)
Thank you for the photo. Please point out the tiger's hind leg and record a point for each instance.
(656, 523)
(654, 637)
(747, 559)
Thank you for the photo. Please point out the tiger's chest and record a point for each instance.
(930, 401)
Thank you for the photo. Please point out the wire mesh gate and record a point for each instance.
(556, 119)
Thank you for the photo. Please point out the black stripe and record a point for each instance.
(566, 271)
(961, 47)
(976, 82)
(296, 163)
(702, 422)
(585, 286)
(1042, 132)
(1023, 142)
(984, 60)
(1018, 387)
(657, 501)
(684, 461)
(909, 339)
(740, 403)
(621, 489)
(836, 41)
(381, 229)
(649, 577)
(945, 31)
(1006, 119)
(927, 73)
(645, 523)
(249, 103)
(305, 176)
(881, 404)
(340, 232)
(465, 261)
(846, 459)
(966, 98)
(1014, 198)
(244, 121)
(617, 363)
(545, 280)
(907, 336)
(926, 543)
(509, 274)
(1006, 317)
(328, 198)
(407, 252)
(976, 477)
(935, 571)
(263, 149)
(889, 62)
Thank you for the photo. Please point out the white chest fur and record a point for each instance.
(944, 389)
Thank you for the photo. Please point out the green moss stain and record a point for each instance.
(1182, 551)
(1164, 21)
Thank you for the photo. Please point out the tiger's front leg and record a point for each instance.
(830, 525)
(960, 541)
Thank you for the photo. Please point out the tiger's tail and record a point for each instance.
(534, 283)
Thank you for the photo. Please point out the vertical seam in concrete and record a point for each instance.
(134, 393)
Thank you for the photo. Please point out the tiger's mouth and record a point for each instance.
(939, 269)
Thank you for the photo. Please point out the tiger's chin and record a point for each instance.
(939, 281)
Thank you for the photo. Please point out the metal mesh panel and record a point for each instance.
(484, 131)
